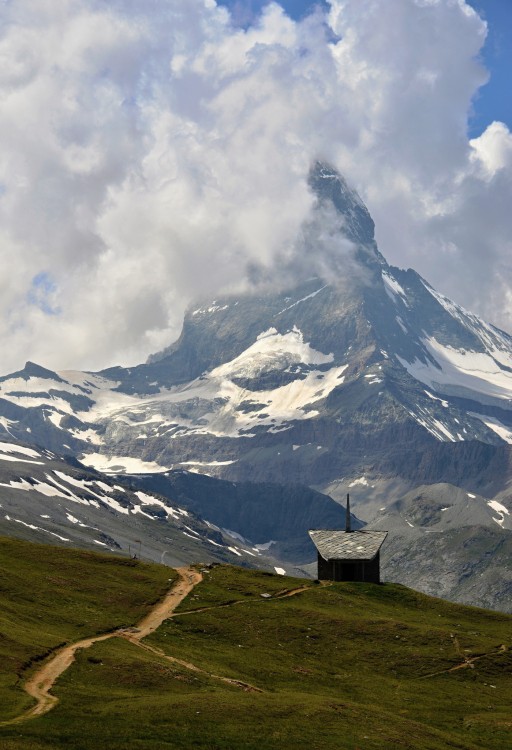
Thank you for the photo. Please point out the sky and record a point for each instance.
(492, 102)
(157, 152)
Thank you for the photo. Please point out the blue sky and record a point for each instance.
(493, 102)
(495, 99)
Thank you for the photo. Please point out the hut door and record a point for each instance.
(348, 572)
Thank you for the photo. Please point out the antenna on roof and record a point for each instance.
(347, 515)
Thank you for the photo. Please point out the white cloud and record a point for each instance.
(154, 151)
(492, 150)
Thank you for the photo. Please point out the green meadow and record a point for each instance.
(50, 596)
(338, 666)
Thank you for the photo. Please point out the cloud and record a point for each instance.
(439, 200)
(153, 152)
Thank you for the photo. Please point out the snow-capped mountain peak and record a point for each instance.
(306, 383)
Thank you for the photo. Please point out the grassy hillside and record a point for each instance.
(50, 596)
(342, 666)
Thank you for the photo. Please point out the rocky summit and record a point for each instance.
(357, 377)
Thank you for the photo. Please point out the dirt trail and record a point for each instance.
(189, 578)
(291, 592)
(280, 595)
(246, 686)
(39, 685)
(469, 661)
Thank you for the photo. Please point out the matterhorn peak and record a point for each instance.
(329, 186)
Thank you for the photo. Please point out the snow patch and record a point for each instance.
(462, 370)
(121, 464)
(401, 323)
(215, 543)
(192, 531)
(393, 288)
(303, 299)
(495, 425)
(234, 551)
(434, 398)
(207, 463)
(265, 546)
(74, 520)
(272, 351)
(115, 505)
(4, 457)
(137, 509)
(37, 528)
(103, 486)
(235, 535)
(362, 481)
(13, 448)
(151, 500)
(213, 308)
(500, 509)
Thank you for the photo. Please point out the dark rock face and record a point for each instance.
(261, 512)
(330, 187)
(33, 370)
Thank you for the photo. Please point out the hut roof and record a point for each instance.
(343, 545)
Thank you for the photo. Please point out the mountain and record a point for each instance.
(451, 543)
(368, 372)
(359, 377)
(174, 517)
(274, 517)
(47, 498)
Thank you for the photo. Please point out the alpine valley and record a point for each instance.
(269, 408)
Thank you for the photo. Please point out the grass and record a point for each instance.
(344, 666)
(50, 596)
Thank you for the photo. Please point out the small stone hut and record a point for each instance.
(348, 555)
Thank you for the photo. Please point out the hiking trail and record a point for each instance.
(41, 682)
(39, 685)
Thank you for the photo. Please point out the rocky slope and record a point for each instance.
(49, 499)
(174, 517)
(451, 543)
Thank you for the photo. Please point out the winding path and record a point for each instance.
(39, 685)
